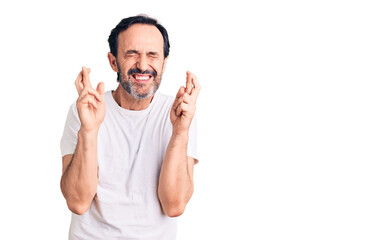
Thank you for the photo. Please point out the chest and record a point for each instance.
(131, 150)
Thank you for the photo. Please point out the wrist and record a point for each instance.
(88, 133)
(180, 137)
(180, 134)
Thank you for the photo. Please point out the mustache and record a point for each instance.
(136, 70)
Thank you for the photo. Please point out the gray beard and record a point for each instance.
(131, 88)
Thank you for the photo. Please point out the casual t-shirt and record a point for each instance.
(131, 148)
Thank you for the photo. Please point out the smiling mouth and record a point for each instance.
(141, 77)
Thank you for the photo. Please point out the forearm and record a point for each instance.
(80, 179)
(176, 180)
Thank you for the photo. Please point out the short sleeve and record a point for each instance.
(192, 143)
(69, 137)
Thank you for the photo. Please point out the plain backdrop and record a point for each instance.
(294, 115)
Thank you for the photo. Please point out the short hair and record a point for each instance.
(127, 22)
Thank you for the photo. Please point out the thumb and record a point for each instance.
(180, 92)
(177, 99)
(100, 88)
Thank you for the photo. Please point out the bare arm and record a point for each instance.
(80, 175)
(176, 175)
(80, 170)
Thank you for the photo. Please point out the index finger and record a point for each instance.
(78, 83)
(86, 76)
(188, 82)
(197, 87)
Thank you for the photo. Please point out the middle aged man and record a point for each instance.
(128, 154)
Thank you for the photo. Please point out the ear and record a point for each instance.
(112, 61)
(164, 64)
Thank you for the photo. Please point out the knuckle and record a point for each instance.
(87, 88)
(89, 98)
(190, 100)
(80, 99)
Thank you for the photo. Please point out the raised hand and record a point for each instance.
(184, 106)
(91, 103)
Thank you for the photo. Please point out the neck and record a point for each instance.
(129, 102)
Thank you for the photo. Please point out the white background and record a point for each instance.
(294, 115)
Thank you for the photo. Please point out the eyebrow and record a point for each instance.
(137, 52)
(132, 51)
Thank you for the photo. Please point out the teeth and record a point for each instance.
(142, 77)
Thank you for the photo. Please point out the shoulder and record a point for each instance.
(72, 113)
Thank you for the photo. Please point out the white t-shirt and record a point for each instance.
(131, 149)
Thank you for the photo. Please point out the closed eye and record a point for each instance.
(132, 53)
(153, 54)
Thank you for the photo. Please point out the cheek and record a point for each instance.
(159, 67)
(127, 64)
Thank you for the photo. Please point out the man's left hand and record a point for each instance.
(184, 106)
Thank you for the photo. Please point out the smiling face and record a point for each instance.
(140, 60)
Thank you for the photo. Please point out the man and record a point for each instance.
(128, 154)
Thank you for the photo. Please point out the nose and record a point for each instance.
(142, 63)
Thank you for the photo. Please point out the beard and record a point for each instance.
(139, 90)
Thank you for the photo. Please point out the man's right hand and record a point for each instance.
(79, 179)
(91, 103)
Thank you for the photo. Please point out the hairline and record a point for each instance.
(139, 19)
(151, 24)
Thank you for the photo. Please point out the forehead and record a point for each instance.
(141, 37)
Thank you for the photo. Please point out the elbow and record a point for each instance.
(174, 212)
(174, 209)
(78, 208)
(77, 203)
(173, 204)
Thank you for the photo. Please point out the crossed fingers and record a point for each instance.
(84, 87)
(83, 80)
(193, 87)
(187, 96)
